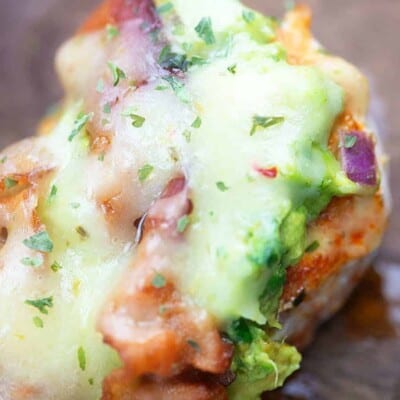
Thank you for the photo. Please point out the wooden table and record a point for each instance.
(356, 356)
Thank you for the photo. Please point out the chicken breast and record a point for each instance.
(207, 193)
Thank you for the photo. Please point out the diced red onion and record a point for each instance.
(358, 157)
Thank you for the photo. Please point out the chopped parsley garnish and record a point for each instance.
(239, 331)
(193, 344)
(196, 60)
(312, 247)
(41, 304)
(205, 31)
(171, 60)
(248, 16)
(182, 223)
(100, 86)
(167, 7)
(82, 232)
(81, 358)
(55, 266)
(144, 172)
(161, 87)
(107, 108)
(40, 241)
(53, 193)
(91, 381)
(38, 322)
(10, 182)
(112, 31)
(178, 87)
(3, 159)
(34, 262)
(158, 281)
(101, 156)
(137, 120)
(349, 141)
(264, 122)
(232, 69)
(117, 73)
(187, 135)
(222, 187)
(79, 124)
(197, 123)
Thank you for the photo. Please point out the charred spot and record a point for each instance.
(3, 236)
(226, 378)
(299, 298)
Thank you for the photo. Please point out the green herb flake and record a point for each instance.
(193, 344)
(161, 87)
(33, 262)
(178, 87)
(107, 108)
(38, 322)
(222, 187)
(165, 8)
(248, 16)
(52, 194)
(187, 135)
(158, 281)
(101, 156)
(82, 232)
(41, 304)
(112, 31)
(144, 172)
(75, 205)
(197, 123)
(100, 86)
(239, 331)
(264, 122)
(182, 223)
(10, 182)
(40, 241)
(137, 120)
(81, 358)
(232, 69)
(205, 31)
(91, 381)
(171, 60)
(312, 247)
(116, 72)
(79, 124)
(349, 141)
(55, 267)
(3, 159)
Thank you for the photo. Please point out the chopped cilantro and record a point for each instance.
(107, 108)
(137, 120)
(161, 87)
(239, 331)
(38, 322)
(178, 87)
(144, 172)
(222, 187)
(39, 241)
(158, 281)
(264, 122)
(349, 141)
(197, 123)
(112, 31)
(117, 73)
(55, 266)
(187, 135)
(53, 193)
(79, 124)
(312, 247)
(193, 344)
(171, 60)
(101, 156)
(10, 182)
(41, 304)
(82, 232)
(166, 7)
(182, 223)
(81, 358)
(205, 31)
(34, 262)
(91, 381)
(196, 60)
(100, 86)
(232, 69)
(248, 16)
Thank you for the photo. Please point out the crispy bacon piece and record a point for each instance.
(154, 328)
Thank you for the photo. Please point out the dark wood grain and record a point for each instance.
(356, 356)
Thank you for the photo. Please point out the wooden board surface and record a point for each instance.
(356, 356)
